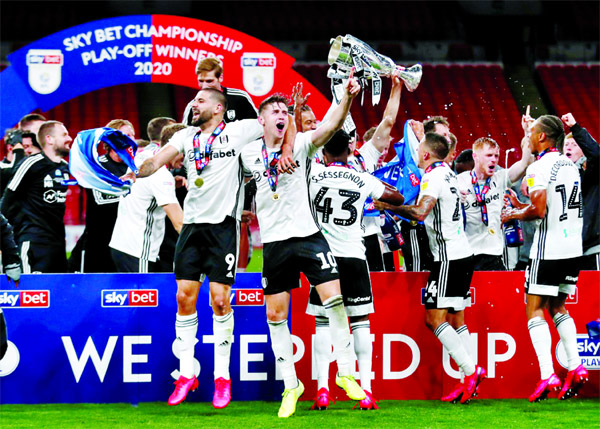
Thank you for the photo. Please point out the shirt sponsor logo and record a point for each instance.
(25, 299)
(129, 298)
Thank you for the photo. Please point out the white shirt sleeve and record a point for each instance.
(178, 139)
(303, 145)
(162, 185)
(376, 188)
(370, 154)
(430, 186)
(536, 178)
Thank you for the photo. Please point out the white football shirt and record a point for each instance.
(291, 215)
(370, 156)
(339, 195)
(444, 223)
(485, 239)
(221, 194)
(140, 226)
(558, 234)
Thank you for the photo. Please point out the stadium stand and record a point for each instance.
(574, 88)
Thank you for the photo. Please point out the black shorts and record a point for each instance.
(43, 258)
(373, 253)
(549, 277)
(449, 284)
(208, 249)
(415, 250)
(488, 263)
(125, 263)
(355, 284)
(283, 261)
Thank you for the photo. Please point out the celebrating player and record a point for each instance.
(553, 268)
(447, 291)
(293, 242)
(208, 242)
(339, 192)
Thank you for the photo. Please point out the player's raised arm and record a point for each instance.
(322, 134)
(286, 163)
(381, 138)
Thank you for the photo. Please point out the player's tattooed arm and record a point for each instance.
(414, 212)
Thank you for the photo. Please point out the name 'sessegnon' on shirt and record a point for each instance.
(339, 195)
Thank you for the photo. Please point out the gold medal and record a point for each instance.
(492, 231)
(275, 196)
(199, 182)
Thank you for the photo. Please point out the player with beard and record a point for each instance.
(293, 242)
(34, 202)
(208, 243)
(554, 261)
(447, 292)
(339, 193)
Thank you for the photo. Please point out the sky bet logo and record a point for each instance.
(25, 299)
(129, 298)
(589, 352)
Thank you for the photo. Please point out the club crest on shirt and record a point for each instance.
(231, 115)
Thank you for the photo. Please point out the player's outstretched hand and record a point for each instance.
(511, 198)
(299, 100)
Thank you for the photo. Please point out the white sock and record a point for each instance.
(223, 336)
(465, 339)
(542, 343)
(453, 345)
(565, 326)
(322, 351)
(186, 328)
(340, 334)
(283, 349)
(363, 347)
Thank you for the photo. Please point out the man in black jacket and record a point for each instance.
(589, 192)
(34, 202)
(12, 268)
(239, 103)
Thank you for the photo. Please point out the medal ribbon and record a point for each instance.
(340, 164)
(545, 151)
(480, 195)
(360, 159)
(202, 162)
(435, 165)
(271, 166)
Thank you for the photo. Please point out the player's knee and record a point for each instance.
(276, 314)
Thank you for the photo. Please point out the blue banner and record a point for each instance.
(109, 338)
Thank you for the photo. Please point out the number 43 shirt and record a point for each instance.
(338, 194)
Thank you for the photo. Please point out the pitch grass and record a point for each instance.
(485, 413)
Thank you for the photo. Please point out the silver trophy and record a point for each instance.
(348, 51)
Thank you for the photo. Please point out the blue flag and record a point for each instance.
(85, 165)
(402, 171)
